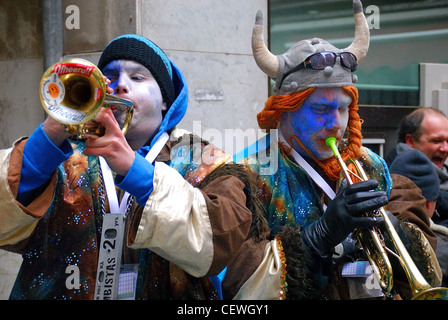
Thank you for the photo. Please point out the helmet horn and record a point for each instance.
(360, 44)
(265, 60)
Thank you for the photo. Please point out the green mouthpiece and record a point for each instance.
(331, 142)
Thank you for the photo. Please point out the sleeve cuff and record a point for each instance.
(139, 180)
(40, 158)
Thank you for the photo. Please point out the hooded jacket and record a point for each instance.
(441, 214)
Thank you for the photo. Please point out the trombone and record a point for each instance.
(73, 91)
(376, 250)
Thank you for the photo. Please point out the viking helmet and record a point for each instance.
(277, 67)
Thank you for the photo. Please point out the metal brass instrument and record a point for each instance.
(376, 250)
(73, 91)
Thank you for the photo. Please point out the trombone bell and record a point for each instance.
(376, 251)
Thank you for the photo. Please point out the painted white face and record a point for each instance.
(133, 81)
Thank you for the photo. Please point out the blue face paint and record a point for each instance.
(112, 71)
(323, 114)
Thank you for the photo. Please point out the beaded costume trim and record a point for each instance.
(284, 284)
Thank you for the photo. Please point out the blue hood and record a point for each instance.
(177, 110)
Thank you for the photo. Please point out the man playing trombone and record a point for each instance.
(312, 218)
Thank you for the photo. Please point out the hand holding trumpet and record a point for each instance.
(111, 145)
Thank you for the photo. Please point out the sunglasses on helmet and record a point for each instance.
(321, 60)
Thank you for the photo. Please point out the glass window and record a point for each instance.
(403, 34)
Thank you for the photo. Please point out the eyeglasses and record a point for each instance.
(321, 60)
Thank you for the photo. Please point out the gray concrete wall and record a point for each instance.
(208, 39)
(212, 47)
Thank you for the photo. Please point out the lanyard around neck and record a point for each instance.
(317, 178)
(109, 184)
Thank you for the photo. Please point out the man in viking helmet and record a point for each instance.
(72, 215)
(310, 220)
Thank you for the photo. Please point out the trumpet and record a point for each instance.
(376, 250)
(73, 91)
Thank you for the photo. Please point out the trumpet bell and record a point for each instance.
(73, 91)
